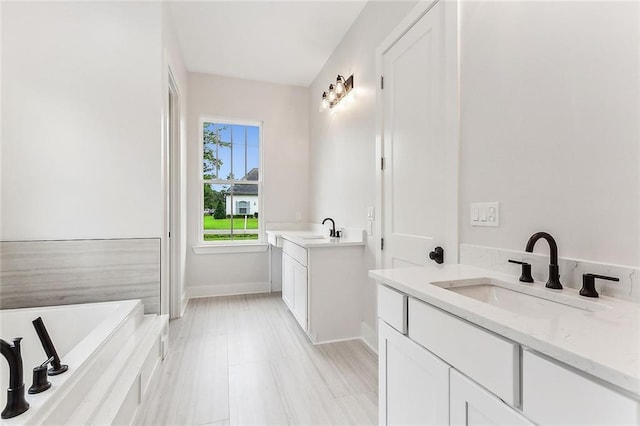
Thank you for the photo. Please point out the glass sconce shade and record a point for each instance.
(324, 102)
(332, 94)
(339, 85)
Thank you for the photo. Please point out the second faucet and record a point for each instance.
(332, 231)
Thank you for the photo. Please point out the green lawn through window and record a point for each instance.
(236, 237)
(211, 223)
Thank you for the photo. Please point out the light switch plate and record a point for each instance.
(370, 213)
(485, 214)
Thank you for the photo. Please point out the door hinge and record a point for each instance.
(381, 163)
(381, 243)
(381, 82)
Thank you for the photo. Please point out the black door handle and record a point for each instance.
(437, 255)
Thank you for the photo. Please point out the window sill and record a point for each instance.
(228, 249)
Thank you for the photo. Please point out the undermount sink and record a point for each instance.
(313, 237)
(520, 298)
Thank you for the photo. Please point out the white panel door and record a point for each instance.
(413, 383)
(473, 405)
(420, 156)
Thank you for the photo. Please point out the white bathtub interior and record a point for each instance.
(77, 331)
(67, 326)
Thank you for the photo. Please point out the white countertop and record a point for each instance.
(309, 238)
(605, 343)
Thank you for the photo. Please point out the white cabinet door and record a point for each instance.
(294, 288)
(413, 383)
(288, 280)
(300, 294)
(474, 405)
(554, 395)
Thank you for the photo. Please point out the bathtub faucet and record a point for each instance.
(49, 349)
(16, 403)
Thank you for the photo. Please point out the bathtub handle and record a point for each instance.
(44, 364)
(40, 382)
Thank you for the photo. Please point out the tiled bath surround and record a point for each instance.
(65, 272)
(571, 270)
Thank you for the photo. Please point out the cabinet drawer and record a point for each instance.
(488, 359)
(295, 251)
(553, 394)
(392, 308)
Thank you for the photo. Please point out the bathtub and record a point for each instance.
(112, 350)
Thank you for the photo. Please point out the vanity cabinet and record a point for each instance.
(321, 288)
(429, 359)
(421, 353)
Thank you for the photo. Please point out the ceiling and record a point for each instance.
(284, 42)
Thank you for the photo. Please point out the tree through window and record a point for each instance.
(231, 181)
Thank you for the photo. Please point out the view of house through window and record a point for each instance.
(231, 181)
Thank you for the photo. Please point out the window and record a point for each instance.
(231, 181)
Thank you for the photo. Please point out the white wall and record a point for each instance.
(81, 134)
(342, 163)
(283, 111)
(549, 111)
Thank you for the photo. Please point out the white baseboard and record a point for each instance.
(345, 339)
(194, 292)
(369, 336)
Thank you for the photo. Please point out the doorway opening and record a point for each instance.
(172, 208)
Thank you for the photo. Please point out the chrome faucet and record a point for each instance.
(332, 233)
(554, 274)
(16, 403)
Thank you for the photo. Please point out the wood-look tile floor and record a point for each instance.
(244, 360)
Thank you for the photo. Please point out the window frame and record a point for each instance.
(202, 181)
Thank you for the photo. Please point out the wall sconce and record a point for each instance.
(336, 92)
